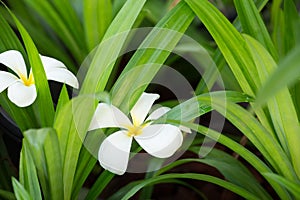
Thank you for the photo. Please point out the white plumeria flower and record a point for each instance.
(159, 140)
(21, 87)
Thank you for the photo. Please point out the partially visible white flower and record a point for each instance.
(21, 87)
(159, 140)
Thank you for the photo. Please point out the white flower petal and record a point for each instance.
(142, 107)
(51, 63)
(21, 95)
(63, 76)
(14, 60)
(6, 79)
(164, 143)
(185, 129)
(107, 116)
(114, 152)
(158, 113)
(55, 70)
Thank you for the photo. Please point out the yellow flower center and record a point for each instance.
(27, 81)
(134, 130)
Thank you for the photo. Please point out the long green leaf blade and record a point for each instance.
(108, 51)
(28, 173)
(238, 190)
(150, 56)
(97, 18)
(234, 52)
(253, 24)
(44, 99)
(20, 192)
(294, 188)
(281, 107)
(44, 147)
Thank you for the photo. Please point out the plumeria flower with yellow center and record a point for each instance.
(159, 140)
(21, 87)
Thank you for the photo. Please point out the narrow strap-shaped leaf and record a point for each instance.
(256, 133)
(28, 173)
(194, 108)
(238, 190)
(44, 99)
(97, 18)
(9, 40)
(150, 56)
(291, 17)
(251, 158)
(234, 49)
(281, 107)
(50, 15)
(20, 191)
(99, 185)
(293, 187)
(120, 193)
(83, 170)
(108, 50)
(277, 26)
(77, 114)
(62, 100)
(286, 74)
(253, 24)
(44, 147)
(235, 52)
(210, 76)
(68, 15)
(7, 195)
(231, 168)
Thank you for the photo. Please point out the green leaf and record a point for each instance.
(150, 56)
(257, 134)
(286, 74)
(253, 24)
(18, 114)
(108, 51)
(97, 18)
(8, 38)
(44, 147)
(194, 107)
(28, 174)
(293, 187)
(120, 193)
(251, 158)
(64, 29)
(211, 75)
(233, 170)
(238, 190)
(99, 185)
(235, 52)
(291, 16)
(277, 26)
(44, 99)
(281, 107)
(72, 136)
(7, 195)
(83, 170)
(62, 100)
(20, 192)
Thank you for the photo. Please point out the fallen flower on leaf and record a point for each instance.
(159, 140)
(21, 87)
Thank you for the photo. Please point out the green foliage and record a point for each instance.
(262, 57)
